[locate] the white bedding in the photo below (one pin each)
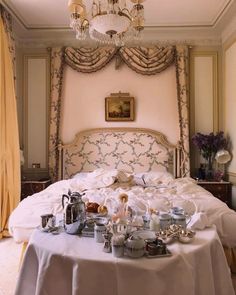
(104, 187)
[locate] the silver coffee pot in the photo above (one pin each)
(74, 212)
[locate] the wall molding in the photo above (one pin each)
(227, 45)
(232, 177)
(214, 54)
(29, 171)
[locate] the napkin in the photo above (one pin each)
(199, 221)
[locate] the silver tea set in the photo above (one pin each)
(120, 238)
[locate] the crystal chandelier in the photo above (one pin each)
(109, 21)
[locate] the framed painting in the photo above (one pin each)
(119, 108)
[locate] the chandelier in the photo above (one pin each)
(109, 21)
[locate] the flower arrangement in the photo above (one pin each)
(209, 144)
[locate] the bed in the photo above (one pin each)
(103, 163)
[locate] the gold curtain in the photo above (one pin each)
(9, 142)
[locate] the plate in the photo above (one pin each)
(144, 234)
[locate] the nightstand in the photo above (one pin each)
(221, 190)
(30, 187)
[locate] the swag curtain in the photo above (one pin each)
(145, 61)
(9, 141)
(181, 63)
(57, 58)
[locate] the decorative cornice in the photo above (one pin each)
(211, 24)
(193, 34)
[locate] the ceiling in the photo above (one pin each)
(49, 18)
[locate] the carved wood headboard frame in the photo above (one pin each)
(129, 149)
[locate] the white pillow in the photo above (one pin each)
(119, 175)
(80, 175)
(153, 178)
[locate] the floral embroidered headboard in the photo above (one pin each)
(129, 149)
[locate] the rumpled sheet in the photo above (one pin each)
(104, 187)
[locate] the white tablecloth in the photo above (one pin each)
(65, 264)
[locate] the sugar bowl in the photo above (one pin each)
(135, 246)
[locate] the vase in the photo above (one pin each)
(209, 168)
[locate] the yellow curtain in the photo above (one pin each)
(9, 138)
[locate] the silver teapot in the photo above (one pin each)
(74, 213)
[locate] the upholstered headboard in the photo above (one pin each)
(129, 149)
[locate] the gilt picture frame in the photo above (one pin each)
(119, 108)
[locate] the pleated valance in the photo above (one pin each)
(148, 61)
(145, 61)
(88, 60)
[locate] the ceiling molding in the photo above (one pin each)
(195, 34)
(212, 24)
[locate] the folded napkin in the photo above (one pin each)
(199, 221)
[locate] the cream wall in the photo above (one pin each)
(203, 102)
(84, 100)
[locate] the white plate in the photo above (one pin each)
(145, 234)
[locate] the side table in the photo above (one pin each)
(30, 187)
(221, 190)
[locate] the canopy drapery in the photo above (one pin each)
(143, 60)
(9, 141)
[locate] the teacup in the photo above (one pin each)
(47, 221)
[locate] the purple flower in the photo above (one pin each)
(209, 144)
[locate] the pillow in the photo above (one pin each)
(119, 175)
(153, 178)
(123, 176)
(80, 175)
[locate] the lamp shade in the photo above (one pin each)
(76, 6)
(222, 157)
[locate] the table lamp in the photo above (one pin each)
(222, 157)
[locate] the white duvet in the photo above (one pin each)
(160, 192)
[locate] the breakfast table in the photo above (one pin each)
(69, 264)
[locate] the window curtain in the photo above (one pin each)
(9, 142)
(143, 60)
